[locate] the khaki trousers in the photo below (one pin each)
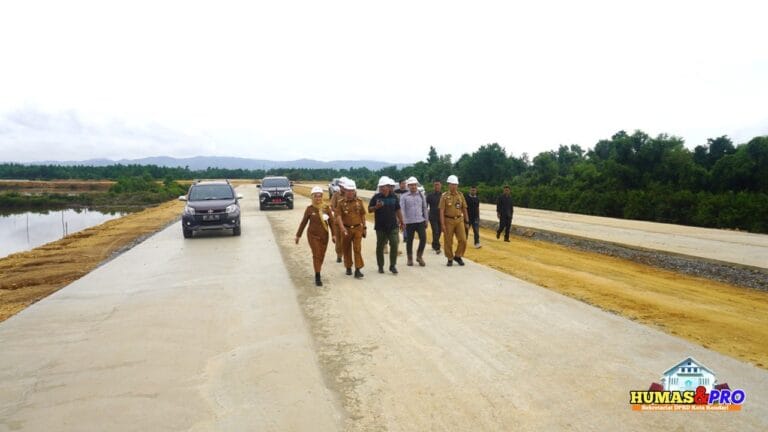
(353, 242)
(455, 227)
(318, 245)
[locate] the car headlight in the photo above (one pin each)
(232, 208)
(189, 210)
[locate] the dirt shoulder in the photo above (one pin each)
(27, 277)
(729, 319)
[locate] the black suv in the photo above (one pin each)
(211, 205)
(275, 191)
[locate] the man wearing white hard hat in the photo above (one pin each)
(350, 216)
(388, 222)
(454, 220)
(414, 205)
(319, 217)
(338, 196)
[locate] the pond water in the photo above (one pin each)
(24, 231)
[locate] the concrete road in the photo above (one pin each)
(720, 245)
(201, 334)
(227, 333)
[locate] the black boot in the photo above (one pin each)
(318, 282)
(393, 269)
(459, 261)
(450, 263)
(358, 274)
(349, 271)
(338, 258)
(381, 269)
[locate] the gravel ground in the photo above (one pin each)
(733, 274)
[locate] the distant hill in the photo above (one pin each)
(203, 162)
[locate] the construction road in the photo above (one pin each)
(229, 333)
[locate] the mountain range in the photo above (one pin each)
(203, 162)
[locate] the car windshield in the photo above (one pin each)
(275, 183)
(210, 192)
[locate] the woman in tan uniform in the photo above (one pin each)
(319, 216)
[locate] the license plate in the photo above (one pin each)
(210, 217)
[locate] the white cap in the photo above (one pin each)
(392, 181)
(316, 189)
(383, 181)
(411, 180)
(343, 182)
(452, 179)
(350, 185)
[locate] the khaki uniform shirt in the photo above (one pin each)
(352, 212)
(453, 204)
(337, 196)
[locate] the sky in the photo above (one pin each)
(339, 80)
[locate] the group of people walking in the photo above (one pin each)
(406, 209)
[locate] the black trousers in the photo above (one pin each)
(505, 223)
(421, 230)
(434, 222)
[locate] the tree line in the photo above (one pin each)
(634, 176)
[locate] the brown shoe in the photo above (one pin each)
(410, 261)
(420, 260)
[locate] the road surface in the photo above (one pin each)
(229, 333)
(720, 245)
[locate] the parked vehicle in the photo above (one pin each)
(211, 205)
(275, 192)
(333, 187)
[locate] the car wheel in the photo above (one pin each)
(290, 205)
(187, 232)
(261, 206)
(236, 231)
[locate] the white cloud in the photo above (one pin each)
(358, 79)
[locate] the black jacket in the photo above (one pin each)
(473, 208)
(433, 201)
(504, 205)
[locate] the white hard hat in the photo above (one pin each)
(316, 189)
(383, 181)
(343, 182)
(392, 181)
(411, 180)
(350, 185)
(452, 179)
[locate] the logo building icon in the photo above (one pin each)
(687, 375)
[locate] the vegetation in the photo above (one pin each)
(628, 176)
(127, 191)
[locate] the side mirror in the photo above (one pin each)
(291, 184)
(239, 196)
(182, 197)
(258, 186)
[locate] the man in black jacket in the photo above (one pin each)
(433, 202)
(473, 209)
(504, 211)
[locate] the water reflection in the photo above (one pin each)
(28, 230)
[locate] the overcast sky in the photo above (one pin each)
(376, 80)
